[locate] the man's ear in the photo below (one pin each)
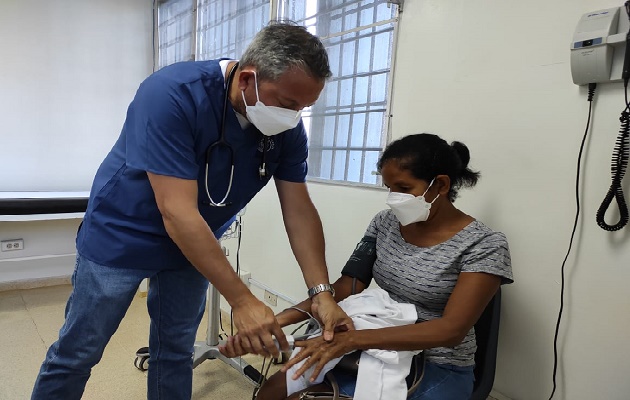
(245, 79)
(443, 184)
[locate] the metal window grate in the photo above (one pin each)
(225, 28)
(348, 125)
(175, 26)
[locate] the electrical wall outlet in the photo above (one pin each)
(12, 245)
(245, 275)
(271, 298)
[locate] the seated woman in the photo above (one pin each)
(423, 251)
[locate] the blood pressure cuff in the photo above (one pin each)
(362, 260)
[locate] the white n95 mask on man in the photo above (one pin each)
(409, 208)
(270, 120)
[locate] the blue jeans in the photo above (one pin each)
(440, 382)
(99, 300)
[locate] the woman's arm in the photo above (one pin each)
(471, 295)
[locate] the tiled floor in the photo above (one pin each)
(29, 324)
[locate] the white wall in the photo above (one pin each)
(68, 72)
(69, 69)
(496, 75)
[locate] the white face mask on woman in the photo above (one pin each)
(409, 208)
(270, 120)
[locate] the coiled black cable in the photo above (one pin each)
(621, 152)
(618, 168)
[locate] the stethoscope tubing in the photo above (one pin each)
(223, 142)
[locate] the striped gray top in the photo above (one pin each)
(426, 276)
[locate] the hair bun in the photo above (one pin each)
(463, 153)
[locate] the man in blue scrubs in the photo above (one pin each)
(199, 141)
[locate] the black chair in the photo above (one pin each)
(487, 333)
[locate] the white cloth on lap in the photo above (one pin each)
(381, 373)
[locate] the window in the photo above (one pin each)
(225, 28)
(348, 126)
(175, 27)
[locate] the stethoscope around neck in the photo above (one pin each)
(221, 142)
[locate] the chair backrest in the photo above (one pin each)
(487, 334)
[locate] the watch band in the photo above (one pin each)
(322, 287)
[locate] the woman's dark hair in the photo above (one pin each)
(426, 156)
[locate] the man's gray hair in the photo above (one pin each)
(281, 45)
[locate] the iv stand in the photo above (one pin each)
(210, 348)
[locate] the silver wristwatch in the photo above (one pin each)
(322, 287)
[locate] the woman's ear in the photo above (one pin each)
(443, 184)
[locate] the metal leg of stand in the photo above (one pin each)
(209, 349)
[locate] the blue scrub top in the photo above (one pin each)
(173, 119)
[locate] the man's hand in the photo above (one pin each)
(330, 314)
(255, 324)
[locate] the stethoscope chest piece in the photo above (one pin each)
(262, 170)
